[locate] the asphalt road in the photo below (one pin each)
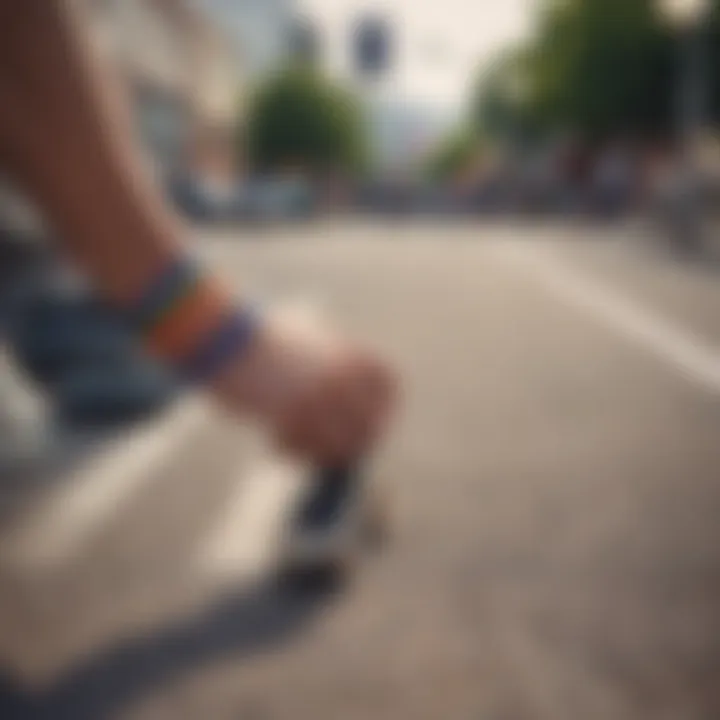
(555, 491)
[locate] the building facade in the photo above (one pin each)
(260, 31)
(182, 79)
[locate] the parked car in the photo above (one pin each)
(270, 199)
(686, 211)
(201, 200)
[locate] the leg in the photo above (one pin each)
(65, 136)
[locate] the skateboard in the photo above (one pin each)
(339, 519)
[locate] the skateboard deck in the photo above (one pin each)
(339, 519)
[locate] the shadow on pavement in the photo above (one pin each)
(242, 623)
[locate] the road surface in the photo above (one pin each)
(555, 478)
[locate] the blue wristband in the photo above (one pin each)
(166, 290)
(229, 340)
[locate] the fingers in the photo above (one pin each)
(341, 420)
(321, 398)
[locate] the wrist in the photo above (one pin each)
(187, 320)
(256, 379)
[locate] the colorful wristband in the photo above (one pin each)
(190, 322)
(228, 341)
(174, 283)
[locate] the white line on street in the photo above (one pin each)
(243, 545)
(244, 542)
(67, 519)
(692, 357)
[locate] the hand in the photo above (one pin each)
(322, 398)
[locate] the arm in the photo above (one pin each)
(65, 134)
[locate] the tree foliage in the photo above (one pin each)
(300, 119)
(598, 67)
(453, 155)
(503, 108)
(605, 66)
(713, 61)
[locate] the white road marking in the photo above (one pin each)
(60, 528)
(245, 541)
(68, 519)
(690, 355)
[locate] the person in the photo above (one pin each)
(65, 137)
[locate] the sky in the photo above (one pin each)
(440, 43)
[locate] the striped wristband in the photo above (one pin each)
(189, 321)
(160, 298)
(228, 341)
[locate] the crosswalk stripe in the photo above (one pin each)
(246, 539)
(68, 518)
(59, 529)
(691, 356)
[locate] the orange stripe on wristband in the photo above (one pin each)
(189, 321)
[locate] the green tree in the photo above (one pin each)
(503, 108)
(598, 67)
(453, 155)
(713, 61)
(300, 119)
(605, 66)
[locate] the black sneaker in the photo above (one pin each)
(328, 522)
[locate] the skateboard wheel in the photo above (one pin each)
(320, 578)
